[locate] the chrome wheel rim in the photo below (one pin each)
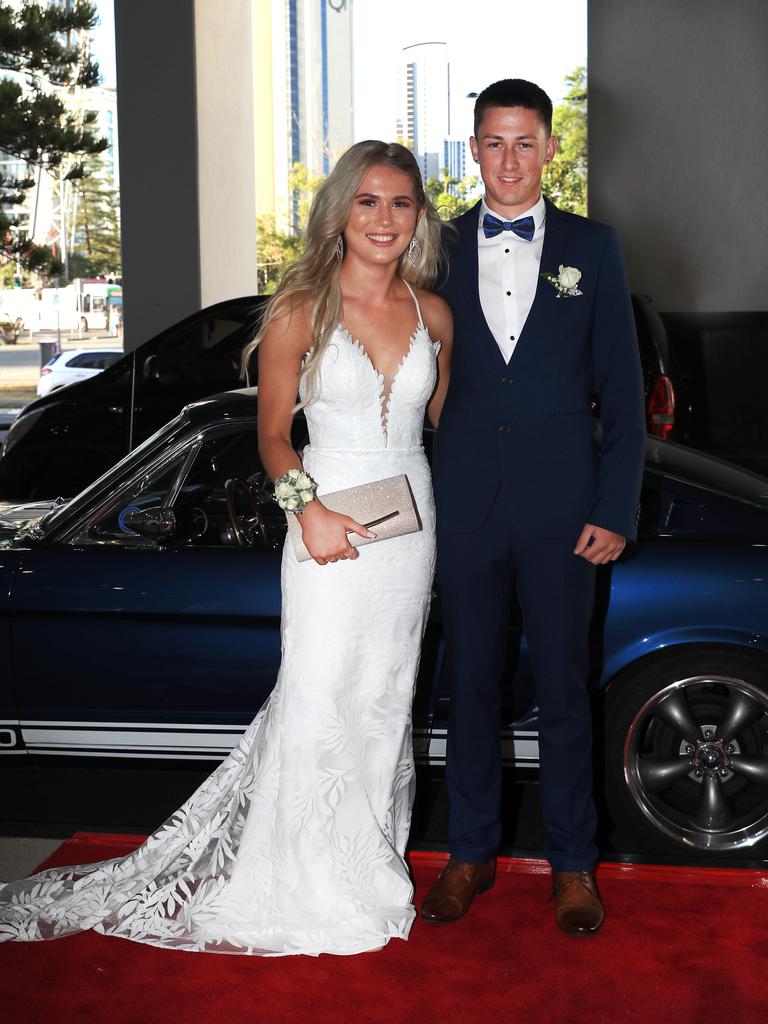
(696, 762)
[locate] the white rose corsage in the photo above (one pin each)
(294, 491)
(565, 282)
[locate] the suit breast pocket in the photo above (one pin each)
(571, 312)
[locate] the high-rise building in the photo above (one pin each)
(424, 107)
(303, 94)
(454, 158)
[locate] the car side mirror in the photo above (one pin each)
(155, 523)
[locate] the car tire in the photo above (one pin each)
(686, 752)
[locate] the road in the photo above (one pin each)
(20, 364)
(18, 357)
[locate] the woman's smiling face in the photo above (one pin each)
(383, 217)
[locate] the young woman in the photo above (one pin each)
(295, 843)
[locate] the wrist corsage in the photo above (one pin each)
(294, 491)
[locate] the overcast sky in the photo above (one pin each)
(501, 39)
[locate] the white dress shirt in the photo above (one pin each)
(508, 273)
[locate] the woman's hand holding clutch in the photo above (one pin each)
(325, 533)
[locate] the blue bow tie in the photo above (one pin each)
(523, 228)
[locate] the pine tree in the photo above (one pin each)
(96, 249)
(39, 45)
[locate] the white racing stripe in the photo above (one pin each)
(60, 724)
(517, 748)
(207, 742)
(134, 739)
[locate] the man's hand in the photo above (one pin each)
(599, 546)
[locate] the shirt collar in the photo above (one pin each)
(538, 211)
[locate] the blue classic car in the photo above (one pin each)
(142, 621)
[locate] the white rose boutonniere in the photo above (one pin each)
(565, 282)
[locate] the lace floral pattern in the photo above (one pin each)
(295, 843)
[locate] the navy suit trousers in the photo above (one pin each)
(477, 572)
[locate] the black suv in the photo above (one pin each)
(62, 442)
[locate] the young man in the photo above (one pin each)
(525, 499)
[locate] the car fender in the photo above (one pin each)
(678, 640)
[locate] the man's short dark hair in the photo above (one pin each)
(514, 92)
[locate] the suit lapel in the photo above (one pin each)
(467, 226)
(552, 255)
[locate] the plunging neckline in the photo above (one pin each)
(367, 356)
(385, 392)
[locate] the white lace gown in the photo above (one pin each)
(295, 843)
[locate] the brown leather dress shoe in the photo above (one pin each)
(579, 910)
(451, 895)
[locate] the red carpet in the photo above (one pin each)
(678, 945)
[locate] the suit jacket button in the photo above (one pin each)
(504, 428)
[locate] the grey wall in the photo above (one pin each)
(678, 146)
(158, 164)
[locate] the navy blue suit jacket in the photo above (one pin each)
(530, 421)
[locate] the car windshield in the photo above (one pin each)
(706, 471)
(165, 436)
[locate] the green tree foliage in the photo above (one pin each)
(565, 179)
(449, 195)
(303, 184)
(38, 41)
(277, 248)
(34, 39)
(96, 250)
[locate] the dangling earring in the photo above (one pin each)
(339, 248)
(414, 251)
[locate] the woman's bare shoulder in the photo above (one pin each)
(291, 324)
(436, 311)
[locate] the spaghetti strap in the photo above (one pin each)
(418, 307)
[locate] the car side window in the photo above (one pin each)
(100, 360)
(94, 360)
(205, 353)
(195, 486)
(664, 512)
(149, 491)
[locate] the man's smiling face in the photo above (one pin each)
(512, 146)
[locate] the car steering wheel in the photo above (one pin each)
(244, 529)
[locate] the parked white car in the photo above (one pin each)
(73, 365)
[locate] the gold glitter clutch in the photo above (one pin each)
(384, 506)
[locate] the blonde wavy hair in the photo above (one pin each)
(315, 275)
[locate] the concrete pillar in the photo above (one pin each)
(227, 78)
(186, 78)
(158, 164)
(677, 147)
